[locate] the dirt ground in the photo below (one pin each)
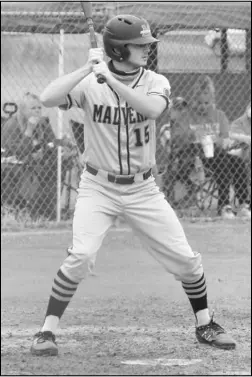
(132, 318)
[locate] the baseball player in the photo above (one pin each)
(117, 180)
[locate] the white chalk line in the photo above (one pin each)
(231, 373)
(180, 362)
(162, 361)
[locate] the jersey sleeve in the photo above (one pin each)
(239, 126)
(76, 98)
(160, 86)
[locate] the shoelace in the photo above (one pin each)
(216, 328)
(46, 335)
(212, 328)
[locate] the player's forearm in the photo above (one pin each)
(57, 90)
(149, 106)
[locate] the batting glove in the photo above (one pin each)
(95, 56)
(102, 69)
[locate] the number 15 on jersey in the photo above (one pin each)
(142, 136)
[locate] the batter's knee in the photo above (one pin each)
(190, 269)
(75, 266)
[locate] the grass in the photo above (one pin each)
(19, 221)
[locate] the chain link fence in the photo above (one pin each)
(205, 52)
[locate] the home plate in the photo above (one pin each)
(232, 373)
(168, 362)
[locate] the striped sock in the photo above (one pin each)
(197, 294)
(63, 290)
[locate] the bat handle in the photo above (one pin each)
(101, 79)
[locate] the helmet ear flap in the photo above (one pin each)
(119, 53)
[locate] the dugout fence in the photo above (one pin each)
(41, 40)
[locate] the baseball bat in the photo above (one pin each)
(87, 10)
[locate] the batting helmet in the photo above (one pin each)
(124, 29)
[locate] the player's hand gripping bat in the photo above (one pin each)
(87, 10)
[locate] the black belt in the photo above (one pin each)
(120, 179)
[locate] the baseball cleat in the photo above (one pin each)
(214, 335)
(44, 344)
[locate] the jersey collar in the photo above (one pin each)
(131, 79)
(122, 73)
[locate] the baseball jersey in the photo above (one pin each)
(117, 138)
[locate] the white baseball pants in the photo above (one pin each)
(145, 209)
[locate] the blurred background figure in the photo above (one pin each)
(30, 145)
(25, 133)
(212, 131)
(178, 142)
(240, 134)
